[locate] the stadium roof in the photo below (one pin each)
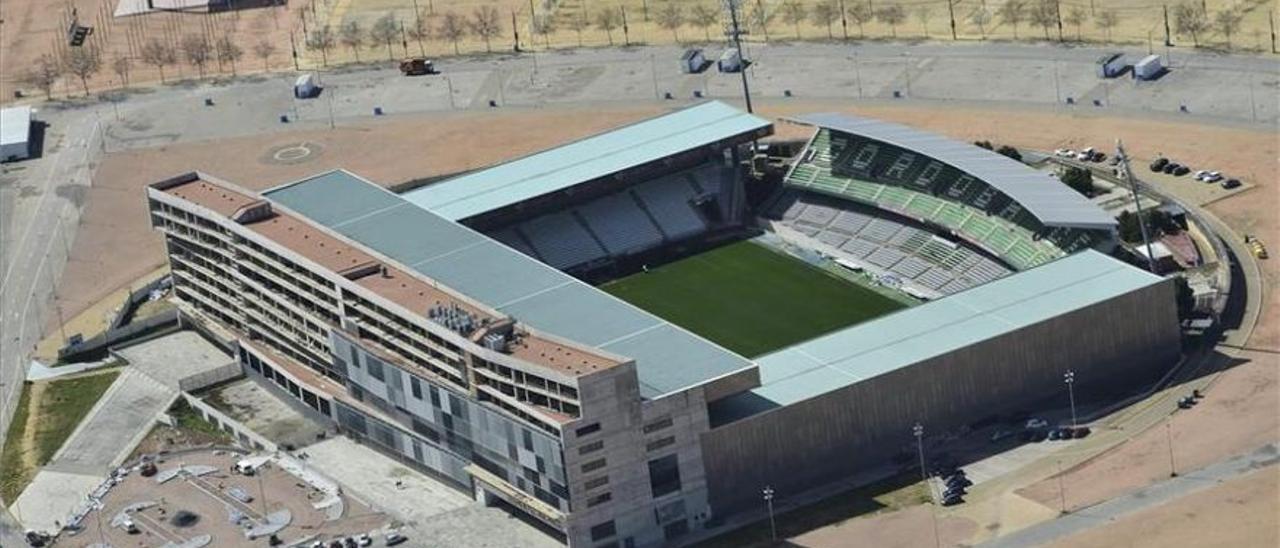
(910, 336)
(1055, 204)
(667, 357)
(584, 160)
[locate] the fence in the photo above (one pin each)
(243, 435)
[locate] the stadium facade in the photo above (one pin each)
(443, 326)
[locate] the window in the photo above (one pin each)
(596, 482)
(416, 387)
(657, 425)
(660, 443)
(664, 475)
(588, 429)
(675, 529)
(591, 447)
(597, 464)
(603, 531)
(375, 368)
(599, 499)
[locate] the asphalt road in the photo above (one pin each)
(41, 199)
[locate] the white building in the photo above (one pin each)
(15, 133)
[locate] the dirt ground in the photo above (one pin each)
(1239, 513)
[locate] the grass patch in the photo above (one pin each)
(895, 493)
(14, 473)
(187, 418)
(751, 299)
(63, 405)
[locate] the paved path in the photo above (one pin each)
(1147, 497)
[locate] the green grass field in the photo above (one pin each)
(750, 299)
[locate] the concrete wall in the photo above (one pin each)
(1130, 339)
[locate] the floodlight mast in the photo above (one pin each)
(1126, 173)
(735, 32)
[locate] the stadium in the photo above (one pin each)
(626, 337)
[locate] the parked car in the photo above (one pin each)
(1065, 152)
(952, 501)
(393, 538)
(1000, 435)
(1085, 155)
(1230, 183)
(1169, 167)
(1186, 403)
(1035, 423)
(1099, 156)
(1159, 164)
(1181, 170)
(959, 482)
(1080, 432)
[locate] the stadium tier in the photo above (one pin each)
(934, 265)
(869, 171)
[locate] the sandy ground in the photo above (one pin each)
(1239, 513)
(906, 528)
(282, 491)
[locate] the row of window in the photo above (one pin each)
(524, 378)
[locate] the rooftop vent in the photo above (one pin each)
(453, 317)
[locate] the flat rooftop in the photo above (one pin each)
(910, 336)
(585, 160)
(15, 125)
(668, 358)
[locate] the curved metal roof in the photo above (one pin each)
(1054, 203)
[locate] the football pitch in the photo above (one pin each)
(750, 299)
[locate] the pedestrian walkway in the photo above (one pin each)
(1147, 497)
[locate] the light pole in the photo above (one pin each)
(1070, 378)
(768, 502)
(918, 432)
(1062, 493)
(1168, 432)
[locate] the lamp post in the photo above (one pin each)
(1168, 432)
(918, 432)
(768, 502)
(1070, 378)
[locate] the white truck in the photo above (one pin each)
(1148, 68)
(1111, 65)
(730, 61)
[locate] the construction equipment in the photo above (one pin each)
(417, 66)
(1256, 246)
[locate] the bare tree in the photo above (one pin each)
(545, 24)
(197, 51)
(1228, 21)
(84, 62)
(43, 74)
(263, 49)
(228, 51)
(861, 14)
(1107, 20)
(453, 27)
(704, 16)
(893, 16)
(578, 22)
(420, 32)
(607, 20)
(670, 16)
(120, 65)
(1011, 13)
(1044, 14)
(923, 13)
(981, 16)
(761, 17)
(323, 40)
(157, 53)
(1190, 19)
(1076, 16)
(485, 23)
(383, 31)
(793, 12)
(352, 36)
(826, 13)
